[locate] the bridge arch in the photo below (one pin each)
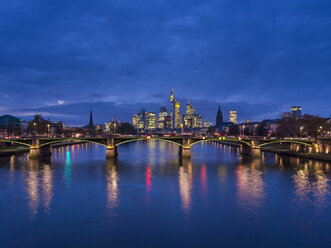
(140, 139)
(15, 142)
(286, 141)
(71, 139)
(220, 141)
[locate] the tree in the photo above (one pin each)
(262, 129)
(234, 130)
(211, 130)
(126, 128)
(38, 125)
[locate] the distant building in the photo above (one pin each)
(206, 124)
(233, 116)
(111, 127)
(91, 125)
(190, 117)
(296, 111)
(199, 120)
(144, 120)
(175, 112)
(56, 128)
(219, 117)
(161, 120)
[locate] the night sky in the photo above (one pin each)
(61, 58)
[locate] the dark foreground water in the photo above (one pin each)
(149, 197)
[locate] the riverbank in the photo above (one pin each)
(288, 152)
(14, 150)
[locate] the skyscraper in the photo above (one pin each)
(219, 117)
(189, 118)
(161, 121)
(175, 112)
(233, 116)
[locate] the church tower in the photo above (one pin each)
(90, 125)
(219, 117)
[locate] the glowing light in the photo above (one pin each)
(148, 178)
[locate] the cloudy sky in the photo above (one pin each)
(61, 58)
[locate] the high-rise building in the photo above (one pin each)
(199, 120)
(219, 117)
(175, 112)
(189, 118)
(296, 111)
(151, 121)
(233, 116)
(161, 120)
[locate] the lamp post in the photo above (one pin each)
(301, 128)
(35, 128)
(48, 126)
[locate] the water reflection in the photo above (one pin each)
(185, 184)
(33, 186)
(47, 186)
(67, 170)
(311, 185)
(112, 183)
(148, 179)
(203, 180)
(250, 186)
(39, 182)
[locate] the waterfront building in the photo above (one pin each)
(219, 117)
(233, 116)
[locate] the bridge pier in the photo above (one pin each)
(111, 152)
(184, 152)
(37, 152)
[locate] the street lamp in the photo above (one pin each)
(35, 128)
(301, 128)
(48, 126)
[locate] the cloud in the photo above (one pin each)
(273, 53)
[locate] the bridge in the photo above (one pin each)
(250, 146)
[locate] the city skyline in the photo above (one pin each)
(113, 57)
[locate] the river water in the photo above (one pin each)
(148, 197)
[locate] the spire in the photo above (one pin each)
(188, 100)
(91, 120)
(172, 94)
(219, 108)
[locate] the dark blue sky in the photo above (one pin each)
(259, 57)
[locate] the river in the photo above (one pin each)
(149, 197)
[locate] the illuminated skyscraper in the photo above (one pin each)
(161, 121)
(233, 116)
(190, 118)
(175, 112)
(151, 121)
